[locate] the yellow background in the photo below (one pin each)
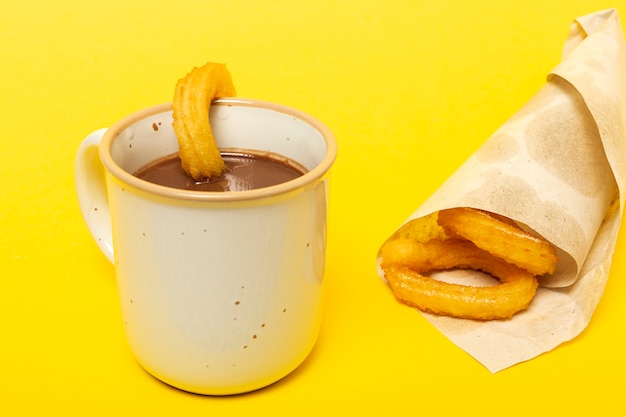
(410, 88)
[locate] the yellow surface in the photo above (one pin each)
(410, 88)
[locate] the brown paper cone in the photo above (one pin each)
(557, 168)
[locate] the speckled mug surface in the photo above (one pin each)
(221, 293)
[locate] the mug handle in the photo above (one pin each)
(91, 189)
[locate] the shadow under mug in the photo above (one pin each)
(220, 292)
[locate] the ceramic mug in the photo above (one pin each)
(220, 292)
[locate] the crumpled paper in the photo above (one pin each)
(557, 167)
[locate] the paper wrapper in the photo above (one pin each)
(557, 168)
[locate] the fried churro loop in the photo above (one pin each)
(465, 238)
(198, 151)
(515, 292)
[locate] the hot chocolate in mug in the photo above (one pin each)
(220, 292)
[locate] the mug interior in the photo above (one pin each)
(236, 123)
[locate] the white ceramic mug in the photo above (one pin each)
(221, 293)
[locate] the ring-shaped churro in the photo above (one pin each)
(514, 292)
(464, 238)
(198, 151)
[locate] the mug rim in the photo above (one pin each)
(310, 177)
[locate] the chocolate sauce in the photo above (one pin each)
(244, 171)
